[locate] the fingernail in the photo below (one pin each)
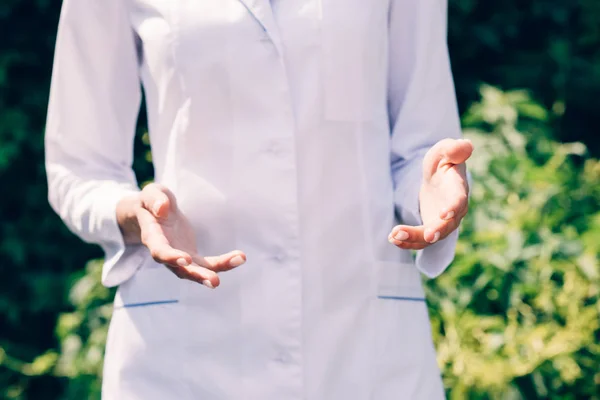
(401, 235)
(236, 261)
(436, 237)
(449, 215)
(182, 262)
(208, 284)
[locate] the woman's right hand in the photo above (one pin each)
(154, 219)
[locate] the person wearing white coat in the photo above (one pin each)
(307, 134)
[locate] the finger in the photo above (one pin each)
(222, 263)
(446, 152)
(458, 151)
(404, 235)
(428, 234)
(165, 254)
(440, 229)
(196, 273)
(408, 234)
(409, 245)
(158, 199)
(457, 203)
(408, 237)
(153, 238)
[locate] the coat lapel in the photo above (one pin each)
(263, 13)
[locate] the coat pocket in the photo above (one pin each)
(151, 285)
(353, 59)
(399, 281)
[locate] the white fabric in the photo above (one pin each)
(294, 133)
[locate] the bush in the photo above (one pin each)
(516, 316)
(550, 47)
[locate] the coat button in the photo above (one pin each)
(283, 357)
(279, 257)
(275, 149)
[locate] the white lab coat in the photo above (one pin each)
(293, 130)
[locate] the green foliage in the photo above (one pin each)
(37, 252)
(517, 315)
(550, 47)
(83, 335)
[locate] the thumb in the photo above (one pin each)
(159, 200)
(446, 152)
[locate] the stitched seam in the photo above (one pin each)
(405, 298)
(147, 303)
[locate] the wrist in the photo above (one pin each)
(127, 210)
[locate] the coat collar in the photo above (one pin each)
(263, 13)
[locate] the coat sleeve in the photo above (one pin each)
(94, 103)
(422, 109)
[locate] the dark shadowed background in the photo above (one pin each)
(516, 317)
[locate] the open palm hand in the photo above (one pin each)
(171, 240)
(443, 196)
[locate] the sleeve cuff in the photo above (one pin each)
(121, 261)
(435, 259)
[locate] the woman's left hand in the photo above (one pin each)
(443, 197)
